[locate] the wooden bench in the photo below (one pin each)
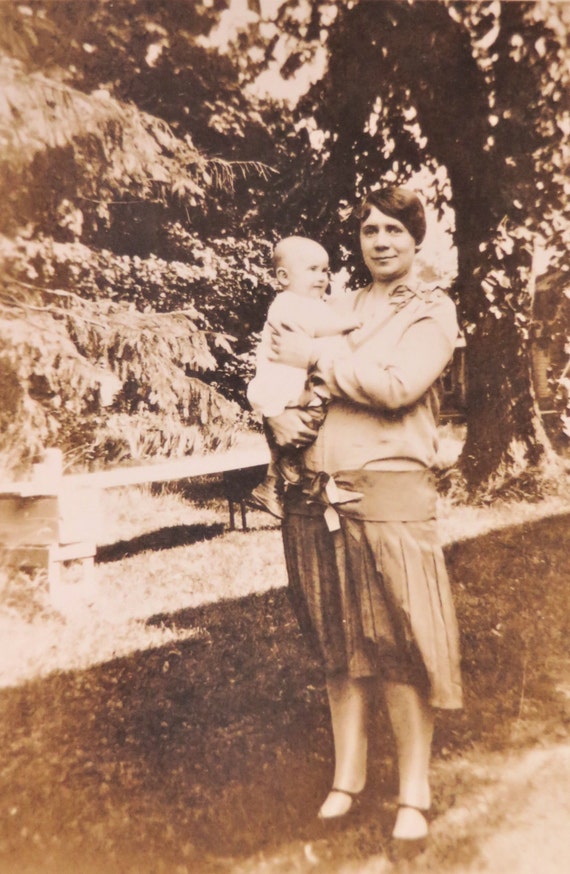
(53, 517)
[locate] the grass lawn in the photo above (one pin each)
(180, 725)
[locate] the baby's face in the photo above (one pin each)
(308, 271)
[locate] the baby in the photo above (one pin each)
(302, 270)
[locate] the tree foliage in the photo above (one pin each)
(116, 306)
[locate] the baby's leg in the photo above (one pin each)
(290, 462)
(268, 495)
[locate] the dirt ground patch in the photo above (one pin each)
(529, 797)
(211, 755)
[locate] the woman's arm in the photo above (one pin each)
(368, 375)
(293, 348)
(393, 381)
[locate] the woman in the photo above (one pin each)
(366, 571)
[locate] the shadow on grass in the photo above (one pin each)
(164, 538)
(197, 755)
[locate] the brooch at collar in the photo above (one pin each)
(402, 295)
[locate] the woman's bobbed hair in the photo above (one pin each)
(398, 203)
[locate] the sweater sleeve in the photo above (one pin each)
(396, 378)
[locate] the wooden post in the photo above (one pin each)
(44, 523)
(232, 514)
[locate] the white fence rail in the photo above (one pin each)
(52, 517)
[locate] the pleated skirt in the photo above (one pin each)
(374, 598)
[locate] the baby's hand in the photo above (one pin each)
(348, 320)
(352, 325)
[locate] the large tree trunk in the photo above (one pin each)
(505, 435)
(506, 440)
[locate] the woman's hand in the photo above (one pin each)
(290, 346)
(293, 427)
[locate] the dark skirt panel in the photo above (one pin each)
(375, 599)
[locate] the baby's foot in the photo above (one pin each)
(267, 497)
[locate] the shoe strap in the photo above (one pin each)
(346, 792)
(422, 810)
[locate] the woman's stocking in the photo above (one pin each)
(348, 701)
(412, 722)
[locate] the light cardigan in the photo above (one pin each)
(383, 413)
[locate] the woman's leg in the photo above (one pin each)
(412, 722)
(348, 701)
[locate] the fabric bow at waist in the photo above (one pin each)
(373, 495)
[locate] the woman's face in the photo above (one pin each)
(387, 246)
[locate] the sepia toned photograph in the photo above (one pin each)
(284, 436)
